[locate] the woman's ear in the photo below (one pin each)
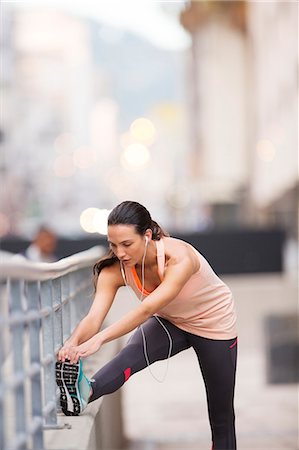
(148, 235)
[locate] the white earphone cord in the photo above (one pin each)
(140, 326)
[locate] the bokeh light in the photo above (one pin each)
(84, 157)
(64, 142)
(143, 130)
(100, 220)
(94, 220)
(169, 113)
(63, 166)
(103, 124)
(266, 150)
(135, 156)
(126, 139)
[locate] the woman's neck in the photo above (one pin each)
(150, 257)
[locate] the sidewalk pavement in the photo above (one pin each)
(173, 415)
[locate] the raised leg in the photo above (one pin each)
(132, 359)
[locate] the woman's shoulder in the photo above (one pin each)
(112, 273)
(177, 249)
(175, 244)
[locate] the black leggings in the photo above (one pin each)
(217, 360)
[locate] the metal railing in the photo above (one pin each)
(40, 305)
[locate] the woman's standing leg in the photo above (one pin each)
(132, 359)
(217, 359)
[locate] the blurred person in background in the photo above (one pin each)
(183, 304)
(43, 246)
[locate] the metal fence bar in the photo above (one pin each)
(17, 329)
(84, 281)
(66, 306)
(72, 286)
(76, 296)
(48, 353)
(57, 317)
(32, 291)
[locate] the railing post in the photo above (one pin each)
(90, 289)
(83, 281)
(66, 307)
(73, 309)
(32, 296)
(17, 329)
(57, 318)
(77, 296)
(48, 352)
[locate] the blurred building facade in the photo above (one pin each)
(244, 72)
(51, 63)
(273, 29)
(75, 89)
(223, 148)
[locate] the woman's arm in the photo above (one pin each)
(108, 283)
(176, 276)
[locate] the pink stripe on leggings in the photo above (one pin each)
(127, 373)
(235, 343)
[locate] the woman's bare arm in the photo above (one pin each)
(108, 283)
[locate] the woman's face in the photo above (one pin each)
(126, 243)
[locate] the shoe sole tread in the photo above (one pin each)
(67, 376)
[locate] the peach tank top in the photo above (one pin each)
(204, 306)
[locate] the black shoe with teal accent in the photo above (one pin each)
(74, 387)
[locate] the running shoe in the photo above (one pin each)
(74, 387)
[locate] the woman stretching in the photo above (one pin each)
(183, 304)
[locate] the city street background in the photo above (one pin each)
(190, 108)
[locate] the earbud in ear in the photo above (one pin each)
(146, 240)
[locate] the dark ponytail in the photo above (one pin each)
(107, 260)
(158, 232)
(128, 213)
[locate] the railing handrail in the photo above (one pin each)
(18, 267)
